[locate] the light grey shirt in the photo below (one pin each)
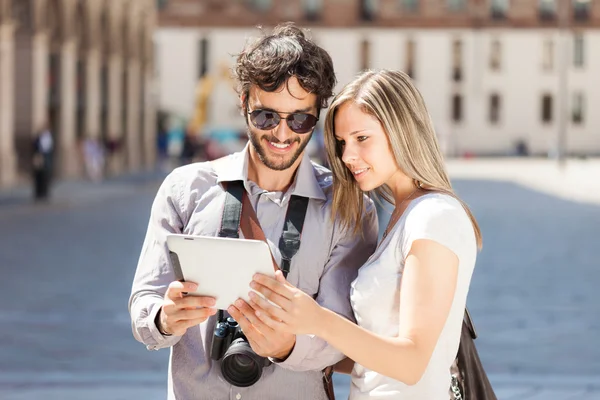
(191, 201)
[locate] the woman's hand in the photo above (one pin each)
(295, 311)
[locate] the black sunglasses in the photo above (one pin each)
(298, 122)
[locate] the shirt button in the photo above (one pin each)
(238, 396)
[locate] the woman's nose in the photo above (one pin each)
(349, 154)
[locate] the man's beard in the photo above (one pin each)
(276, 162)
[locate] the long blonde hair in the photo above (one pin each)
(390, 97)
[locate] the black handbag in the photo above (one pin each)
(469, 380)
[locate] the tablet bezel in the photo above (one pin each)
(238, 261)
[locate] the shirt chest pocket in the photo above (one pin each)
(306, 271)
(203, 223)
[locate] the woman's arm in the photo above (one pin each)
(427, 290)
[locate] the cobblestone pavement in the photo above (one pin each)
(67, 269)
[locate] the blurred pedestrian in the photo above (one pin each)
(521, 148)
(162, 147)
(42, 150)
(284, 79)
(93, 158)
(410, 297)
(190, 145)
(112, 148)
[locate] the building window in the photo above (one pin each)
(261, 5)
(161, 4)
(457, 50)
(365, 54)
(547, 108)
(577, 115)
(312, 9)
(499, 9)
(547, 10)
(202, 57)
(368, 9)
(455, 5)
(495, 55)
(581, 10)
(457, 108)
(548, 55)
(494, 108)
(578, 50)
(411, 6)
(410, 57)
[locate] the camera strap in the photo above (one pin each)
(238, 214)
(232, 211)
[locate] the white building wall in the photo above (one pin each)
(521, 81)
(587, 80)
(177, 60)
(343, 45)
(433, 74)
(519, 89)
(543, 137)
(526, 82)
(224, 106)
(388, 49)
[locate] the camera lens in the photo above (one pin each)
(243, 362)
(240, 365)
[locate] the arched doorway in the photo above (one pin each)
(105, 50)
(125, 143)
(7, 155)
(55, 40)
(80, 82)
(141, 42)
(22, 12)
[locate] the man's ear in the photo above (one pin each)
(243, 103)
(244, 107)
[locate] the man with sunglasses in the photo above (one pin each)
(284, 80)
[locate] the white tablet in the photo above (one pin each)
(222, 267)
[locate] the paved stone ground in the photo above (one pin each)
(67, 268)
(575, 179)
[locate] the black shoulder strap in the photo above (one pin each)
(289, 244)
(232, 212)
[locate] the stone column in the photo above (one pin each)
(39, 114)
(115, 117)
(8, 162)
(69, 159)
(133, 134)
(149, 118)
(92, 93)
(31, 92)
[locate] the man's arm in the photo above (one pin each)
(154, 272)
(349, 254)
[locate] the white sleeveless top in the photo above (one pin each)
(375, 295)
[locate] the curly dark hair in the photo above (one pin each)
(272, 59)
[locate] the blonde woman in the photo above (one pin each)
(409, 298)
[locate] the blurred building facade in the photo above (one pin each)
(498, 76)
(83, 69)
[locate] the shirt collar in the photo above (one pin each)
(235, 168)
(305, 184)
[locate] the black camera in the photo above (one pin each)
(240, 365)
